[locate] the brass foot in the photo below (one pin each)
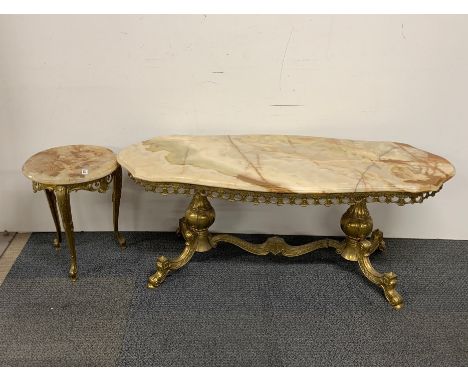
(162, 269)
(387, 281)
(164, 266)
(357, 224)
(73, 272)
(56, 244)
(121, 240)
(194, 228)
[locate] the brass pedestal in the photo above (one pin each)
(360, 242)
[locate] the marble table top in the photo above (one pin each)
(70, 164)
(286, 164)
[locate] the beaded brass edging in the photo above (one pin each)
(100, 185)
(400, 198)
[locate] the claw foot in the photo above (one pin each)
(162, 269)
(389, 281)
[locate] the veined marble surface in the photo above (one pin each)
(289, 164)
(70, 164)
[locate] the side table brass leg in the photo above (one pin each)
(53, 209)
(357, 224)
(63, 199)
(117, 192)
(194, 228)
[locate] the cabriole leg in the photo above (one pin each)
(357, 224)
(53, 209)
(63, 199)
(117, 192)
(199, 216)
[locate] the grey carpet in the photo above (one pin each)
(230, 308)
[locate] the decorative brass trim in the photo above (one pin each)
(325, 199)
(100, 185)
(275, 245)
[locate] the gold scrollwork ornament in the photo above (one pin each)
(356, 223)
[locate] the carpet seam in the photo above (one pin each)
(8, 259)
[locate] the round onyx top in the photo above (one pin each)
(70, 164)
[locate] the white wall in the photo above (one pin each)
(116, 80)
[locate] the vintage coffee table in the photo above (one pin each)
(60, 170)
(285, 170)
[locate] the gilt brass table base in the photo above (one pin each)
(60, 195)
(360, 242)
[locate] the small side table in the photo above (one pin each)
(60, 170)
